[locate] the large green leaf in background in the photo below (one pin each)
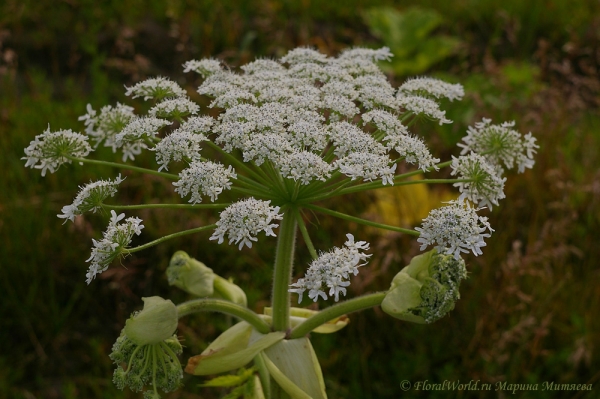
(411, 38)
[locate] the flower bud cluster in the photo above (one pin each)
(427, 289)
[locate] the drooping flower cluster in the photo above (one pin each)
(90, 198)
(502, 146)
(455, 229)
(331, 270)
(115, 240)
(243, 220)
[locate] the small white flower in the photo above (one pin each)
(385, 121)
(413, 150)
(304, 166)
(232, 98)
(243, 220)
(178, 145)
(500, 144)
(115, 240)
(197, 124)
(262, 147)
(174, 108)
(309, 71)
(454, 229)
(382, 54)
(307, 134)
(132, 138)
(205, 67)
(486, 187)
(349, 138)
(90, 198)
(341, 105)
(375, 91)
(420, 105)
(367, 166)
(432, 87)
(49, 150)
(359, 66)
(105, 127)
(331, 270)
(303, 55)
(261, 65)
(155, 88)
(340, 88)
(204, 178)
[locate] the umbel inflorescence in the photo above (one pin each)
(283, 136)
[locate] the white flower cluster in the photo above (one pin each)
(420, 105)
(243, 220)
(155, 88)
(430, 87)
(105, 126)
(454, 229)
(49, 150)
(204, 67)
(331, 270)
(413, 150)
(174, 108)
(204, 178)
(115, 239)
(500, 144)
(486, 187)
(132, 139)
(288, 111)
(90, 198)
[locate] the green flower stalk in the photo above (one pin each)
(148, 349)
(195, 278)
(425, 290)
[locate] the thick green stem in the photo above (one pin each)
(362, 221)
(337, 310)
(125, 166)
(282, 274)
(223, 306)
(168, 237)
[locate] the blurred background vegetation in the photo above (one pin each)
(529, 311)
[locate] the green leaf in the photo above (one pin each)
(231, 350)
